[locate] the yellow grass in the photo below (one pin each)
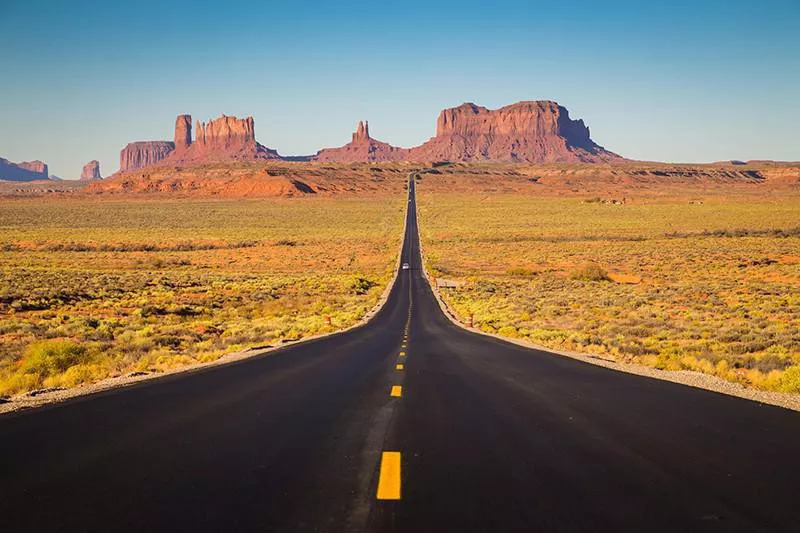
(709, 286)
(91, 289)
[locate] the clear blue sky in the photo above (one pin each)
(677, 80)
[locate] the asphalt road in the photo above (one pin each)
(488, 436)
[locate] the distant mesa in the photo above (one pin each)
(533, 132)
(25, 171)
(224, 138)
(91, 171)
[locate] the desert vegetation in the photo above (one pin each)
(707, 283)
(91, 289)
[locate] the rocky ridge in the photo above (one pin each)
(142, 154)
(25, 171)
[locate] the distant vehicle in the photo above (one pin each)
(405, 266)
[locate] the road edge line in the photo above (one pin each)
(26, 403)
(785, 400)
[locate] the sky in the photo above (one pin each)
(679, 81)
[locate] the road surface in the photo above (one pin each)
(468, 434)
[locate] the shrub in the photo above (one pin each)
(590, 272)
(50, 357)
(790, 381)
(361, 285)
(520, 271)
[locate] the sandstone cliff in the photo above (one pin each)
(362, 148)
(25, 171)
(534, 132)
(142, 154)
(91, 171)
(221, 139)
(183, 132)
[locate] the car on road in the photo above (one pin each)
(406, 266)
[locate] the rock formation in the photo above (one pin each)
(91, 171)
(362, 132)
(224, 138)
(144, 153)
(226, 133)
(25, 171)
(183, 132)
(35, 166)
(362, 148)
(535, 132)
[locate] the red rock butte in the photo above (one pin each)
(91, 171)
(532, 132)
(221, 139)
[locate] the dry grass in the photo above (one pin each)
(91, 289)
(674, 284)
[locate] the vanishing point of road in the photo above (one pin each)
(405, 424)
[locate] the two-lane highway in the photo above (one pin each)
(408, 423)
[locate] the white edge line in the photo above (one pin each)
(23, 402)
(786, 400)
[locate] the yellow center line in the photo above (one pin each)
(389, 478)
(397, 391)
(399, 366)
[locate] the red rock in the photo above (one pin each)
(225, 133)
(35, 166)
(362, 148)
(25, 171)
(144, 153)
(183, 132)
(91, 171)
(362, 132)
(224, 138)
(535, 131)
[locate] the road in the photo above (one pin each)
(471, 434)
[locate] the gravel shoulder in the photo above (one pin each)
(684, 377)
(43, 397)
